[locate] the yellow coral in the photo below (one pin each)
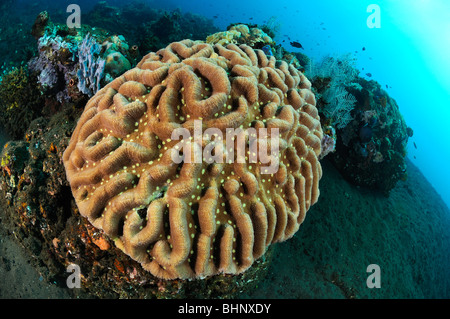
(224, 37)
(11, 85)
(6, 160)
(240, 34)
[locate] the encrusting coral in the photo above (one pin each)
(20, 101)
(193, 220)
(240, 34)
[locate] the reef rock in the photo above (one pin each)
(371, 149)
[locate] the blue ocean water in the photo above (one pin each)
(407, 52)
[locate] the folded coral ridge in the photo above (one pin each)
(196, 219)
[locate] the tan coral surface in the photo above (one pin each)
(199, 218)
(240, 34)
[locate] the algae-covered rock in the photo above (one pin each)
(372, 148)
(20, 101)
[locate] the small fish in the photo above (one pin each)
(158, 194)
(415, 157)
(267, 50)
(369, 74)
(250, 18)
(215, 17)
(415, 145)
(321, 23)
(364, 48)
(296, 44)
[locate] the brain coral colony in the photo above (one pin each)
(193, 220)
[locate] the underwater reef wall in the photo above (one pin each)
(364, 131)
(148, 28)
